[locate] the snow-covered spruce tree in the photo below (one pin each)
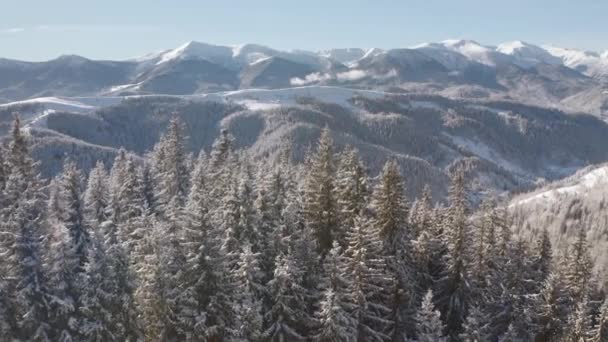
(551, 306)
(319, 197)
(303, 245)
(543, 257)
(476, 326)
(247, 214)
(579, 325)
(125, 196)
(287, 314)
(391, 211)
(509, 304)
(23, 282)
(429, 247)
(66, 279)
(147, 184)
(578, 267)
(171, 171)
(70, 195)
(454, 294)
(228, 220)
(168, 305)
(484, 245)
(370, 285)
(97, 297)
(3, 170)
(67, 257)
(267, 223)
(125, 321)
(600, 329)
(207, 275)
(333, 312)
(420, 214)
(221, 167)
(351, 191)
(248, 297)
(429, 327)
(96, 197)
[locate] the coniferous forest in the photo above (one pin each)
(217, 246)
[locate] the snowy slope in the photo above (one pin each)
(577, 185)
(589, 63)
(526, 54)
(470, 49)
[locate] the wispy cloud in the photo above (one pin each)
(12, 30)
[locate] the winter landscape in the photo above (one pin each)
(452, 190)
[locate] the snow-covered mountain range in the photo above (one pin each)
(568, 79)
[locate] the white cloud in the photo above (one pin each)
(310, 78)
(351, 75)
(12, 30)
(390, 74)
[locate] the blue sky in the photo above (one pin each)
(113, 29)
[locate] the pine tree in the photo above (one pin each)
(319, 200)
(247, 213)
(3, 170)
(476, 326)
(168, 307)
(97, 299)
(333, 313)
(454, 295)
(577, 272)
(429, 327)
(72, 212)
(600, 329)
(391, 212)
(96, 197)
(221, 167)
(267, 224)
(66, 277)
(286, 314)
(24, 287)
(369, 284)
(121, 284)
(207, 268)
(420, 215)
(429, 248)
(544, 256)
(171, 171)
(551, 306)
(247, 277)
(483, 239)
(579, 324)
(351, 191)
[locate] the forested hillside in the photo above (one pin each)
(227, 247)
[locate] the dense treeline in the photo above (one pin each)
(222, 248)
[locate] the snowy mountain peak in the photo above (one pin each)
(196, 50)
(460, 43)
(512, 47)
(526, 54)
(470, 49)
(605, 54)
